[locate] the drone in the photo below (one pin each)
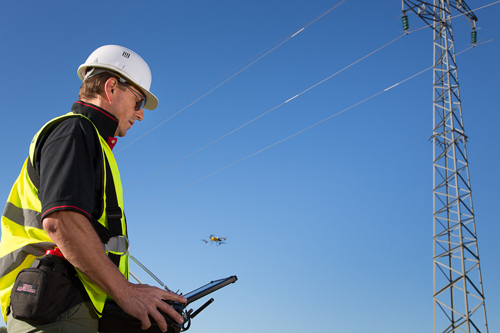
(215, 239)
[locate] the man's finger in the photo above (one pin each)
(160, 320)
(169, 310)
(146, 323)
(175, 297)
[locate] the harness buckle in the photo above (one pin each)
(114, 213)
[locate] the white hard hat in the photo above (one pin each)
(126, 63)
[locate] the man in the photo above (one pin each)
(69, 196)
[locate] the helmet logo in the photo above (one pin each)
(126, 54)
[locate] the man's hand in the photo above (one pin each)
(142, 301)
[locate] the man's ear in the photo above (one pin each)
(110, 87)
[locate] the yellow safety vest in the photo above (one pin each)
(23, 236)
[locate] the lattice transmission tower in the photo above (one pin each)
(459, 304)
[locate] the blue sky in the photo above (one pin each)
(330, 230)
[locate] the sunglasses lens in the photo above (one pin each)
(139, 105)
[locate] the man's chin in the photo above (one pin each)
(121, 134)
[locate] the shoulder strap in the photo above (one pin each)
(33, 174)
(113, 211)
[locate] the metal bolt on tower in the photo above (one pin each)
(459, 304)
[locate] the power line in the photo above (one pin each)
(267, 112)
(303, 130)
(282, 140)
(491, 4)
(278, 106)
(272, 48)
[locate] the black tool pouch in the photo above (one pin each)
(40, 292)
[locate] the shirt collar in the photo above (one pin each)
(105, 122)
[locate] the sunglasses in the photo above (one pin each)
(139, 105)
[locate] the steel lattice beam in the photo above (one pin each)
(459, 304)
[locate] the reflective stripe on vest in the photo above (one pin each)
(23, 237)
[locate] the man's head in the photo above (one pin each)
(118, 80)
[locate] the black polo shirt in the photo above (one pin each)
(69, 161)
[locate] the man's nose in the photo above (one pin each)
(139, 115)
